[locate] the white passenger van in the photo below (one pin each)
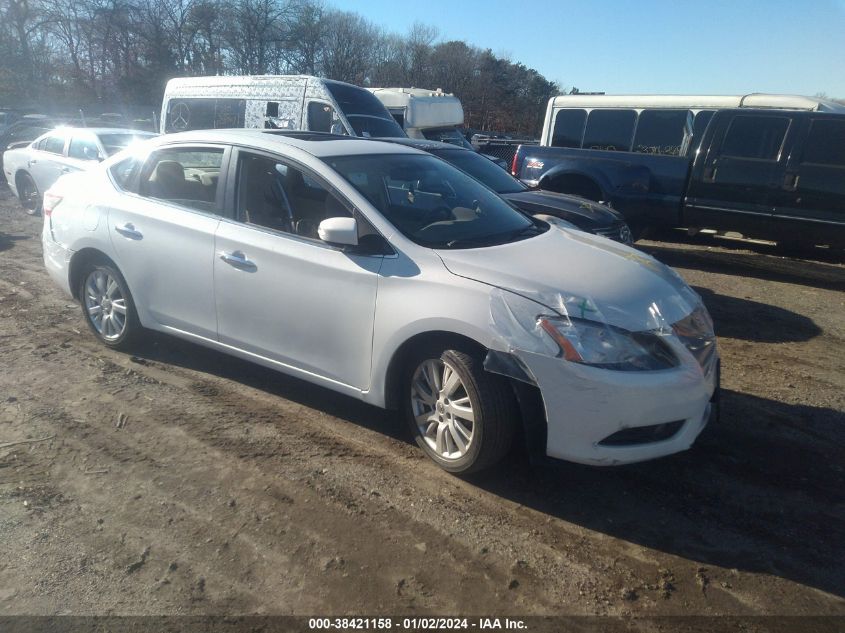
(649, 124)
(425, 114)
(288, 102)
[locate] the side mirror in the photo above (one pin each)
(340, 231)
(90, 153)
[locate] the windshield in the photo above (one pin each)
(451, 135)
(433, 203)
(113, 143)
(370, 126)
(365, 112)
(482, 169)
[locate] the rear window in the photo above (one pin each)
(569, 128)
(610, 130)
(702, 119)
(755, 137)
(660, 132)
(826, 143)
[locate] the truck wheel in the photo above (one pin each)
(462, 417)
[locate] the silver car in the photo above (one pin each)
(32, 169)
(386, 274)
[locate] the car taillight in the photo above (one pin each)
(514, 162)
(51, 201)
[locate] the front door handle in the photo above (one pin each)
(65, 170)
(128, 230)
(32, 162)
(709, 174)
(790, 181)
(238, 260)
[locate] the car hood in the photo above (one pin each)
(581, 275)
(580, 211)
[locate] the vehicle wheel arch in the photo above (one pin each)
(449, 340)
(80, 261)
(574, 183)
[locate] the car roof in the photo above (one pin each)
(424, 144)
(319, 144)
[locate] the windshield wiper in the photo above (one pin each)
(496, 238)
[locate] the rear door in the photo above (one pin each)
(811, 197)
(46, 162)
(163, 235)
(732, 186)
(281, 292)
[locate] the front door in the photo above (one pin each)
(164, 237)
(281, 292)
(746, 158)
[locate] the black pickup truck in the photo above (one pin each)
(776, 174)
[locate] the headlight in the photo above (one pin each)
(608, 347)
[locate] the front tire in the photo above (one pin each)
(462, 417)
(108, 307)
(28, 194)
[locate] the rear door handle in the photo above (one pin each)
(790, 181)
(128, 230)
(238, 260)
(65, 170)
(709, 174)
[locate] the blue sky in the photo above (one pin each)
(646, 46)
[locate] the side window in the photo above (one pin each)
(660, 132)
(702, 119)
(610, 130)
(54, 144)
(189, 177)
(569, 128)
(204, 114)
(124, 174)
(281, 197)
(320, 116)
(83, 149)
(826, 143)
(40, 145)
(755, 137)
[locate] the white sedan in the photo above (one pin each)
(32, 169)
(384, 273)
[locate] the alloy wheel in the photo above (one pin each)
(442, 408)
(105, 304)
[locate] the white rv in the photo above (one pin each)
(425, 114)
(292, 102)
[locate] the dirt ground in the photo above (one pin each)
(182, 481)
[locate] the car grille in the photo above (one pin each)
(617, 232)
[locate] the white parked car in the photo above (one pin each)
(31, 170)
(386, 274)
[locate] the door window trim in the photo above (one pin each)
(720, 155)
(231, 201)
(222, 181)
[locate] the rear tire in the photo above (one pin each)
(28, 194)
(461, 416)
(108, 307)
